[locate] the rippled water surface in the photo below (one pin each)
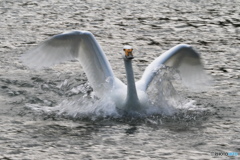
(51, 113)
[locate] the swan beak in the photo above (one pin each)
(128, 52)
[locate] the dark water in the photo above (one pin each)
(61, 121)
(31, 127)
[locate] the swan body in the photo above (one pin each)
(83, 46)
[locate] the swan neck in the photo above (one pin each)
(132, 97)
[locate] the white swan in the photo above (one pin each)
(83, 46)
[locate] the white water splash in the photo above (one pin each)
(163, 100)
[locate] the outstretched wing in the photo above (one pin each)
(182, 57)
(79, 45)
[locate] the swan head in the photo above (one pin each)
(128, 52)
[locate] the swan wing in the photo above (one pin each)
(80, 45)
(185, 59)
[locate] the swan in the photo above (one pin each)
(132, 97)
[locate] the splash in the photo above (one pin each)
(84, 106)
(163, 99)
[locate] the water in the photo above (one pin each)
(187, 125)
(79, 126)
(163, 100)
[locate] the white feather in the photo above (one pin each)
(83, 46)
(79, 45)
(183, 58)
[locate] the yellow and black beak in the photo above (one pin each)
(128, 52)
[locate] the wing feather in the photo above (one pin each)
(185, 59)
(79, 45)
